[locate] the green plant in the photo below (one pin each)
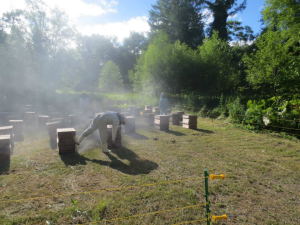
(236, 110)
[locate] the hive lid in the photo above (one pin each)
(4, 137)
(6, 128)
(66, 130)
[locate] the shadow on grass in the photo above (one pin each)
(138, 136)
(176, 133)
(136, 165)
(204, 131)
(4, 164)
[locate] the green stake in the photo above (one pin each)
(207, 205)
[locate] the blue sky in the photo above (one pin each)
(117, 18)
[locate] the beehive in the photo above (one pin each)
(17, 129)
(155, 110)
(148, 107)
(189, 121)
(149, 118)
(175, 119)
(162, 122)
(8, 130)
(52, 127)
(180, 114)
(66, 140)
(30, 120)
(130, 124)
(42, 120)
(5, 151)
(118, 142)
(5, 144)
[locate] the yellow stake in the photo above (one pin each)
(216, 176)
(216, 218)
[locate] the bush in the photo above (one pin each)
(236, 110)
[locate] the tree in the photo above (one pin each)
(110, 78)
(219, 66)
(180, 19)
(221, 10)
(237, 32)
(275, 64)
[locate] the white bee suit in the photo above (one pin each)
(100, 122)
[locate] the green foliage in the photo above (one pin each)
(218, 60)
(110, 78)
(236, 110)
(277, 111)
(276, 62)
(98, 211)
(166, 67)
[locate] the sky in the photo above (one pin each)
(117, 18)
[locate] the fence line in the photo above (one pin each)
(146, 214)
(190, 221)
(102, 190)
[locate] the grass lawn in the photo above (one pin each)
(262, 184)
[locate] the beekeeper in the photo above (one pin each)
(100, 122)
(163, 104)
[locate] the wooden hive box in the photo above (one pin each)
(149, 118)
(42, 120)
(129, 124)
(17, 129)
(189, 121)
(176, 119)
(5, 144)
(156, 110)
(66, 140)
(148, 108)
(31, 121)
(180, 113)
(162, 122)
(5, 152)
(8, 130)
(52, 129)
(118, 142)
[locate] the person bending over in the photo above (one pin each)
(100, 122)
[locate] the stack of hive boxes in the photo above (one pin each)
(118, 142)
(130, 125)
(5, 151)
(66, 140)
(162, 122)
(52, 127)
(17, 129)
(189, 121)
